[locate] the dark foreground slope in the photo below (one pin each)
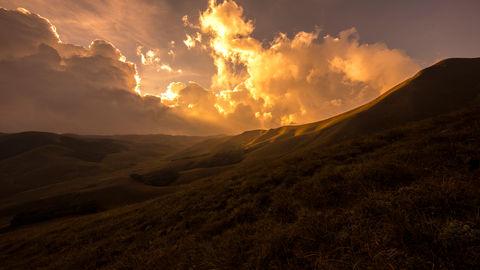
(404, 198)
(399, 194)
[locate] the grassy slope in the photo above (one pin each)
(32, 160)
(407, 198)
(446, 86)
(41, 171)
(404, 197)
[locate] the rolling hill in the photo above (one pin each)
(40, 170)
(391, 184)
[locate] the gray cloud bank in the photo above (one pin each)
(48, 85)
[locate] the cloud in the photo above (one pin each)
(296, 79)
(129, 24)
(191, 41)
(49, 85)
(31, 30)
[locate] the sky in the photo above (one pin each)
(209, 67)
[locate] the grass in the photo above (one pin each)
(405, 198)
(163, 177)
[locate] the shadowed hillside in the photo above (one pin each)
(42, 172)
(390, 185)
(33, 159)
(87, 150)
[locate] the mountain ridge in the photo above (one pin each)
(394, 183)
(461, 72)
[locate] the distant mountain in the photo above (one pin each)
(391, 184)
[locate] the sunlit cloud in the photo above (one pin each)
(192, 40)
(189, 42)
(292, 79)
(168, 68)
(169, 97)
(187, 23)
(61, 87)
(152, 58)
(128, 24)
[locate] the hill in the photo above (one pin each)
(447, 86)
(392, 184)
(43, 171)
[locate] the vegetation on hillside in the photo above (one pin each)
(408, 197)
(393, 184)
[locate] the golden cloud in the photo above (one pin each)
(59, 87)
(296, 78)
(291, 80)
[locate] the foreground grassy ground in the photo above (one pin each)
(405, 198)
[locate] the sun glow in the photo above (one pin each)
(290, 80)
(170, 96)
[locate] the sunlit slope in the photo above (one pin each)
(447, 86)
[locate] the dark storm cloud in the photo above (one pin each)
(52, 86)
